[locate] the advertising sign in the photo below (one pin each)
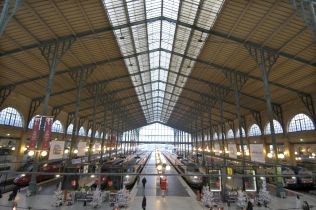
(35, 132)
(56, 150)
(81, 149)
(232, 150)
(47, 132)
(96, 148)
(217, 148)
(256, 153)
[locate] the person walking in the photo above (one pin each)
(249, 206)
(144, 203)
(144, 180)
(298, 202)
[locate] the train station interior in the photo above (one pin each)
(157, 104)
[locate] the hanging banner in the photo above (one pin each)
(56, 150)
(35, 132)
(217, 149)
(47, 132)
(256, 153)
(81, 149)
(232, 150)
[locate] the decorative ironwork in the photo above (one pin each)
(5, 91)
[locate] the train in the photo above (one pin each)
(132, 164)
(294, 177)
(24, 179)
(192, 176)
(55, 166)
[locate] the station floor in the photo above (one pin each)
(179, 196)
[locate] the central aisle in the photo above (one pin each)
(177, 196)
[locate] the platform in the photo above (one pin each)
(179, 196)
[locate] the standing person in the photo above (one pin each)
(144, 180)
(249, 206)
(144, 203)
(298, 202)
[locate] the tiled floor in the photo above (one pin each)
(179, 197)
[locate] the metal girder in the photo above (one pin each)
(56, 111)
(35, 103)
(306, 10)
(5, 91)
(9, 9)
(307, 100)
(278, 113)
(161, 18)
(103, 62)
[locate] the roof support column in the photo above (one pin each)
(80, 79)
(104, 132)
(52, 53)
(203, 143)
(237, 81)
(265, 60)
(9, 9)
(305, 9)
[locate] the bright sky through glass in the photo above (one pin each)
(159, 75)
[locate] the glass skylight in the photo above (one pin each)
(156, 74)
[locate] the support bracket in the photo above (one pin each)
(35, 103)
(278, 113)
(236, 79)
(307, 100)
(56, 111)
(265, 59)
(70, 118)
(54, 50)
(257, 116)
(83, 74)
(5, 91)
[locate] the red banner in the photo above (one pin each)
(35, 132)
(47, 132)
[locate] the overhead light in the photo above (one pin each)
(281, 156)
(8, 134)
(31, 153)
(75, 151)
(92, 176)
(44, 153)
(301, 140)
(269, 155)
(66, 151)
(13, 148)
(57, 175)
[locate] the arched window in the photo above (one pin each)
(254, 130)
(97, 134)
(238, 133)
(89, 132)
(11, 116)
(101, 135)
(82, 132)
(230, 134)
(215, 136)
(30, 126)
(301, 122)
(277, 128)
(57, 127)
(70, 128)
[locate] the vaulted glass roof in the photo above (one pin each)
(157, 47)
